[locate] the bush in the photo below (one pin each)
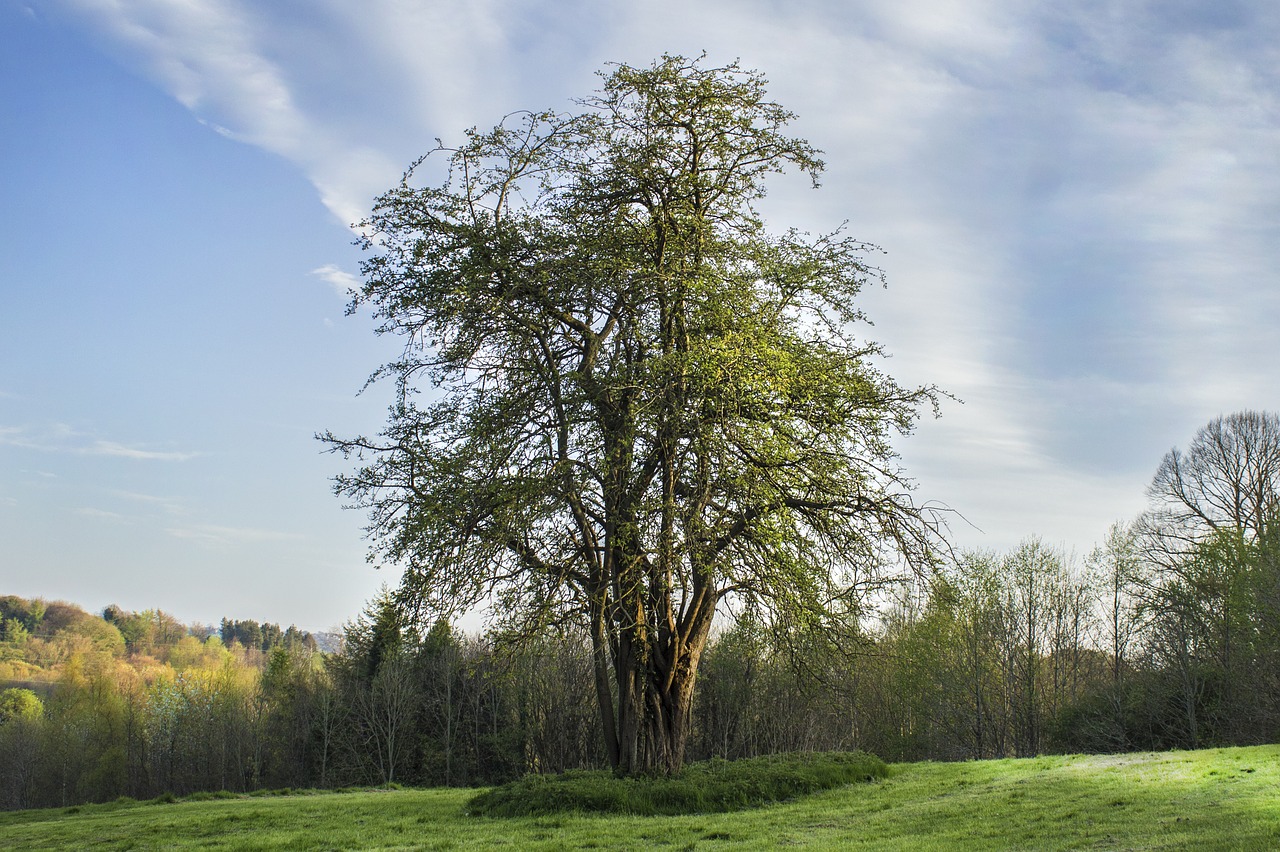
(714, 786)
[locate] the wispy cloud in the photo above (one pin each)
(170, 505)
(61, 438)
(101, 514)
(343, 283)
(207, 54)
(111, 448)
(224, 535)
(132, 507)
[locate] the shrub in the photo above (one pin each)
(210, 795)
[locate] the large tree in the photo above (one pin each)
(621, 399)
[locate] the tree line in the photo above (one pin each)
(1165, 635)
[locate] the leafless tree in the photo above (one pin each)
(1227, 479)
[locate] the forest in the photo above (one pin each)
(1166, 635)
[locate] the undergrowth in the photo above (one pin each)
(714, 786)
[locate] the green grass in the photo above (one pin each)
(1213, 799)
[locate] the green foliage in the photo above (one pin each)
(14, 632)
(17, 612)
(20, 704)
(133, 627)
(714, 786)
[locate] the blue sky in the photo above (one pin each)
(1080, 209)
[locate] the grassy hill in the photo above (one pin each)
(1212, 799)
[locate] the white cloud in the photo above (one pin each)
(206, 54)
(16, 436)
(341, 282)
(1178, 193)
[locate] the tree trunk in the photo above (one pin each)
(656, 675)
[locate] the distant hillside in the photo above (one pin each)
(40, 634)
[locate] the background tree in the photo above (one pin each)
(440, 663)
(380, 691)
(959, 646)
(287, 693)
(1101, 720)
(1211, 591)
(1226, 479)
(647, 402)
(21, 718)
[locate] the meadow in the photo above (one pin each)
(1212, 799)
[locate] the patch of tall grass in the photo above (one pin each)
(714, 786)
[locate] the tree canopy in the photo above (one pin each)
(622, 400)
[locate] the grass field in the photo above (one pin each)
(1213, 799)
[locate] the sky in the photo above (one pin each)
(1079, 207)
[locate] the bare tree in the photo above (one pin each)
(385, 713)
(1116, 569)
(1206, 534)
(1228, 479)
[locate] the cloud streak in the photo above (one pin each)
(170, 505)
(64, 439)
(343, 283)
(101, 514)
(112, 448)
(215, 534)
